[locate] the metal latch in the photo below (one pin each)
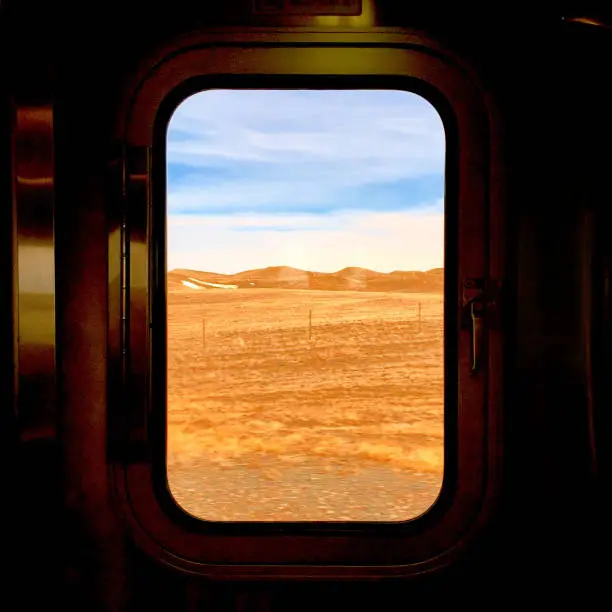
(480, 307)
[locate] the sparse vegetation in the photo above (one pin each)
(269, 422)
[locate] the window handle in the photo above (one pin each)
(477, 315)
(481, 300)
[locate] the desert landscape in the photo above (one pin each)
(304, 396)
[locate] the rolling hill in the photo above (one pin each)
(284, 277)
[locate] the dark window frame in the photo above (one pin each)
(159, 353)
(296, 548)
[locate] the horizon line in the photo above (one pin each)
(301, 270)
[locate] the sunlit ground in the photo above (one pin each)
(272, 417)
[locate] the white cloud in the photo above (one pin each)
(419, 153)
(259, 150)
(247, 193)
(383, 241)
(344, 138)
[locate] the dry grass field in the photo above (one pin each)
(273, 419)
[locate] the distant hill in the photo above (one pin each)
(347, 279)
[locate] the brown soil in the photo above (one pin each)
(270, 419)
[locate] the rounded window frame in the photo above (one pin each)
(472, 436)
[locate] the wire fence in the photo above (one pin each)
(421, 317)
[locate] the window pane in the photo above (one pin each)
(305, 305)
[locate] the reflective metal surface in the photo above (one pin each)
(35, 301)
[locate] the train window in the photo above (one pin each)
(305, 355)
(303, 370)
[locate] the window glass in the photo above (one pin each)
(305, 252)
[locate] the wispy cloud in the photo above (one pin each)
(259, 168)
(259, 194)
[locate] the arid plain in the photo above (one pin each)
(297, 396)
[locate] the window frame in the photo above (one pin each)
(137, 349)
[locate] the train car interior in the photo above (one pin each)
(306, 305)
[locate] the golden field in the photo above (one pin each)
(271, 417)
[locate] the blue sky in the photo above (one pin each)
(317, 180)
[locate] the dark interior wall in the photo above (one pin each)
(549, 80)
